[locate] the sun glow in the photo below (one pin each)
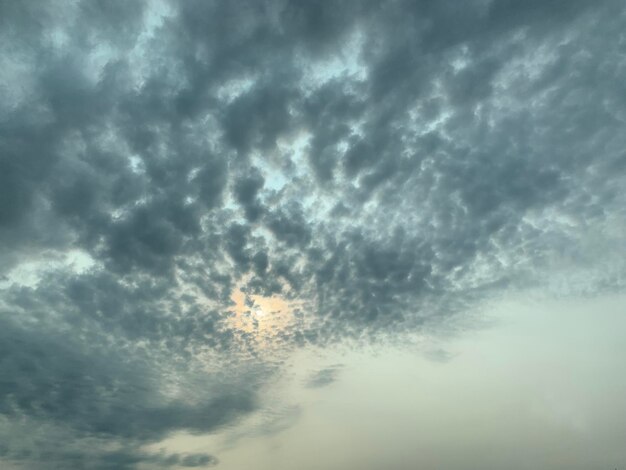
(263, 318)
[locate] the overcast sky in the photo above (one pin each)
(298, 234)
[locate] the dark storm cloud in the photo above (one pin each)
(389, 164)
(92, 383)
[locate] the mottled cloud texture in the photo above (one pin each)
(383, 166)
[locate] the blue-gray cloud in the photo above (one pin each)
(386, 164)
(324, 377)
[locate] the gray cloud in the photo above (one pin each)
(388, 165)
(324, 377)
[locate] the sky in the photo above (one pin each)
(278, 234)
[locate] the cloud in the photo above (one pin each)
(324, 377)
(439, 355)
(387, 166)
(198, 460)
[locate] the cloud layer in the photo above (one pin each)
(383, 166)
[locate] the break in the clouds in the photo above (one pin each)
(190, 190)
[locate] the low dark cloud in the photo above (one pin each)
(324, 377)
(387, 165)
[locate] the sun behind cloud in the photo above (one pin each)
(264, 319)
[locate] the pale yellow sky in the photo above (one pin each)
(542, 388)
